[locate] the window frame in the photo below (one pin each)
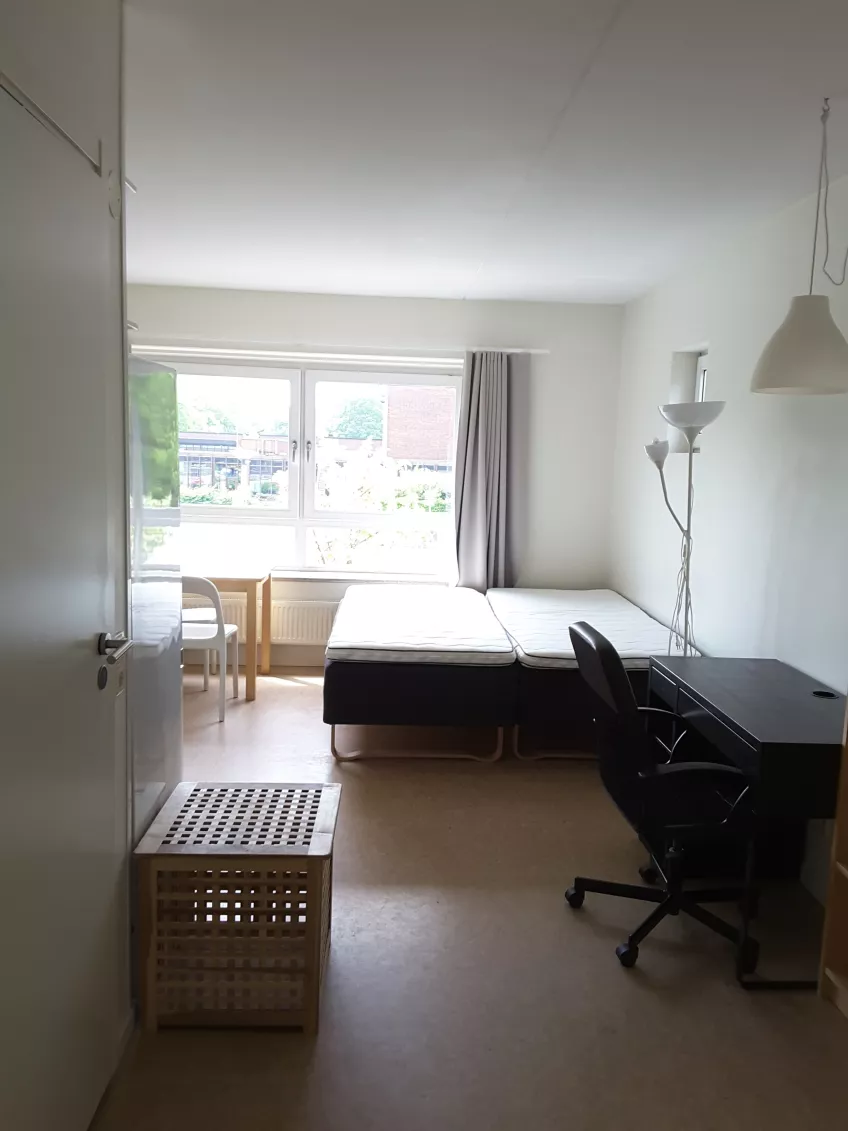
(300, 513)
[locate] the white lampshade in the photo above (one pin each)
(806, 354)
(692, 414)
(657, 452)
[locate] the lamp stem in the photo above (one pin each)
(825, 114)
(688, 551)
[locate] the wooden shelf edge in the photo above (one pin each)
(835, 988)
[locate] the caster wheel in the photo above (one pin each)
(749, 957)
(649, 874)
(574, 897)
(627, 954)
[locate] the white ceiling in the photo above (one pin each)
(509, 149)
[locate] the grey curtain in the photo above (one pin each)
(485, 482)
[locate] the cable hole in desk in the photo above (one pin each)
(825, 694)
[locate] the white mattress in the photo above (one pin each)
(537, 620)
(418, 624)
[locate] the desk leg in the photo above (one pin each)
(265, 666)
(748, 980)
(250, 642)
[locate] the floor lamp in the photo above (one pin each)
(691, 418)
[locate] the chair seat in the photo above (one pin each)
(198, 633)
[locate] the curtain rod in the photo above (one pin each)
(507, 349)
(421, 358)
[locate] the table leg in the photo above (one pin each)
(265, 666)
(250, 642)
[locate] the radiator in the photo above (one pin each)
(292, 622)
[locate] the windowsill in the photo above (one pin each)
(328, 575)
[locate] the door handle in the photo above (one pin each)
(114, 648)
(294, 451)
(308, 450)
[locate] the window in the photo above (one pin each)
(688, 383)
(701, 378)
(324, 470)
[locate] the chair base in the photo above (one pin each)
(672, 899)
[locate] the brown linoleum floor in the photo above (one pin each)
(461, 994)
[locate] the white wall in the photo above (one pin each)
(770, 565)
(573, 390)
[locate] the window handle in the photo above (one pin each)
(308, 450)
(294, 451)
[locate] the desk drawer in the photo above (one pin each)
(726, 741)
(664, 688)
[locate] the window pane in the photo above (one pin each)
(207, 547)
(234, 441)
(381, 550)
(384, 448)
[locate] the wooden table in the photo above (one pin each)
(251, 583)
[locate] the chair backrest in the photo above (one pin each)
(624, 747)
(601, 667)
(203, 587)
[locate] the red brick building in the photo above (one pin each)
(420, 423)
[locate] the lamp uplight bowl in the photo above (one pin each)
(692, 414)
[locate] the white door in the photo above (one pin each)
(64, 820)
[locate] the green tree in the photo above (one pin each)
(200, 418)
(360, 419)
(154, 405)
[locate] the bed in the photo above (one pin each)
(419, 655)
(554, 705)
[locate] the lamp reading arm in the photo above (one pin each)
(680, 525)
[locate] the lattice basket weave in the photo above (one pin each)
(235, 890)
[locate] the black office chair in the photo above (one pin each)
(673, 806)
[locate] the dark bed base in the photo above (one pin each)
(449, 695)
(555, 712)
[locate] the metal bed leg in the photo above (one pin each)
(496, 753)
(356, 755)
(334, 750)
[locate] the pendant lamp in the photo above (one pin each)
(808, 354)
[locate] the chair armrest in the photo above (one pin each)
(663, 711)
(702, 769)
(708, 773)
(670, 750)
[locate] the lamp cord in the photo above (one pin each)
(675, 633)
(822, 209)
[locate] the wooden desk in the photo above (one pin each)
(783, 730)
(779, 726)
(251, 583)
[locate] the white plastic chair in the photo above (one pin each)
(213, 637)
(205, 614)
